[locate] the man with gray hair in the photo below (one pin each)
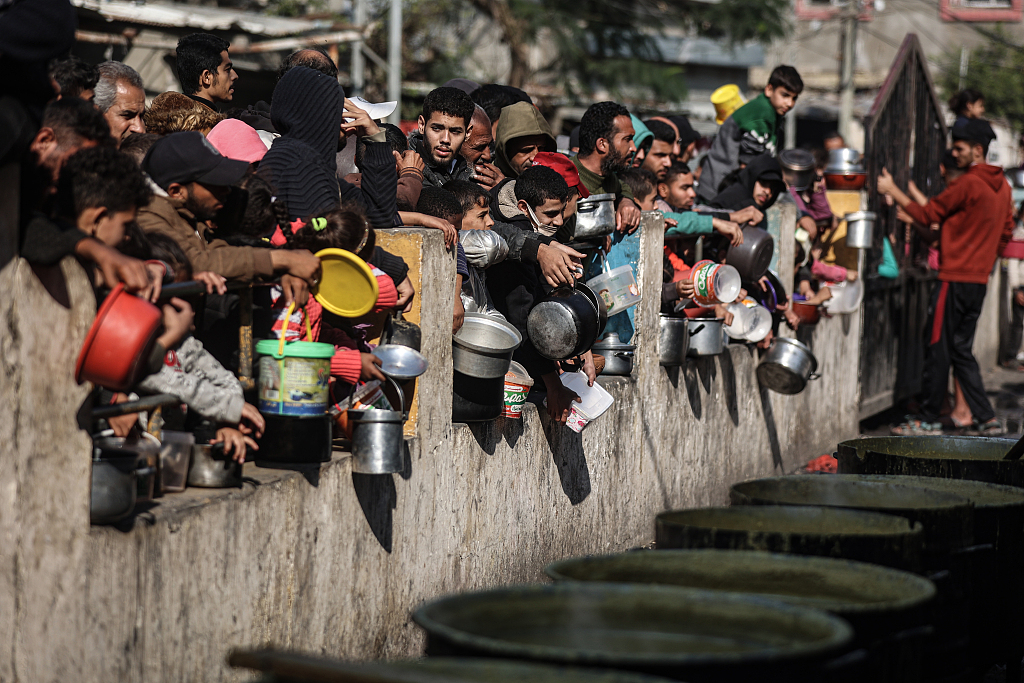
(121, 99)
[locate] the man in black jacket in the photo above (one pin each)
(309, 109)
(444, 124)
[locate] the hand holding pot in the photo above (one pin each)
(177, 322)
(560, 398)
(251, 416)
(558, 263)
(627, 218)
(750, 215)
(234, 442)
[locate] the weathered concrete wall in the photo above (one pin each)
(329, 561)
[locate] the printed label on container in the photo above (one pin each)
(577, 420)
(294, 386)
(515, 397)
(703, 274)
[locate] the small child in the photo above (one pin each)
(101, 190)
(483, 248)
(440, 203)
(344, 228)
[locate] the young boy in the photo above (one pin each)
(516, 286)
(101, 189)
(440, 203)
(482, 246)
(750, 131)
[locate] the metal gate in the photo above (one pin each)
(905, 133)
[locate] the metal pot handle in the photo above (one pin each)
(814, 375)
(698, 329)
(401, 398)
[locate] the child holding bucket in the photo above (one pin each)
(342, 228)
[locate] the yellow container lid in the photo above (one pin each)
(347, 285)
(726, 99)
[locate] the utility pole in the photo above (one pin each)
(358, 61)
(846, 85)
(965, 58)
(395, 60)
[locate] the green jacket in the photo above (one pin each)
(516, 121)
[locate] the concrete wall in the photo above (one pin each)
(329, 561)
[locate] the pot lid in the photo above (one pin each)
(611, 342)
(796, 160)
(860, 216)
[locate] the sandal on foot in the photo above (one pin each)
(915, 426)
(991, 428)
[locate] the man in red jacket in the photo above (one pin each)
(976, 215)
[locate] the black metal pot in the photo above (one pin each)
(476, 399)
(754, 256)
(618, 357)
(298, 440)
(566, 323)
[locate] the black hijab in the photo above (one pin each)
(740, 193)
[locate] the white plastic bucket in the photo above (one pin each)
(846, 297)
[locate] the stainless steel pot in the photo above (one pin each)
(754, 256)
(595, 216)
(787, 366)
(212, 469)
(483, 347)
(565, 324)
(797, 168)
(846, 157)
(618, 357)
(673, 340)
(860, 229)
(706, 337)
(377, 438)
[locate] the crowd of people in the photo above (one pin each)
(193, 187)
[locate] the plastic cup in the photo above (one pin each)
(517, 386)
(715, 283)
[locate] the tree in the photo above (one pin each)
(608, 44)
(996, 69)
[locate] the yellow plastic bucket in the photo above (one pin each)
(726, 99)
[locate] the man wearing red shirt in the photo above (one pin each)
(976, 215)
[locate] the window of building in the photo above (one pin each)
(981, 10)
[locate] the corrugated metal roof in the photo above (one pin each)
(202, 18)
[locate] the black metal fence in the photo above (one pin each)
(905, 133)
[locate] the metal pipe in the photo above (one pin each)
(846, 84)
(128, 407)
(395, 60)
(358, 61)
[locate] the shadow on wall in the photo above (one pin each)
(378, 498)
(729, 387)
(769, 423)
(570, 460)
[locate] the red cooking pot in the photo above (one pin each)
(118, 341)
(809, 314)
(845, 181)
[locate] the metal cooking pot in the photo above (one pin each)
(565, 324)
(754, 256)
(115, 486)
(602, 309)
(211, 469)
(797, 168)
(860, 228)
(705, 337)
(787, 366)
(595, 216)
(377, 438)
(618, 357)
(673, 340)
(845, 157)
(483, 347)
(845, 180)
(398, 330)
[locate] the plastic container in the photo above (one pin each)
(846, 297)
(517, 386)
(715, 283)
(594, 401)
(617, 288)
(762, 323)
(742, 321)
(294, 377)
(175, 453)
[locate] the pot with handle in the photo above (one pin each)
(483, 347)
(752, 258)
(595, 216)
(787, 366)
(705, 337)
(673, 340)
(566, 323)
(377, 438)
(618, 357)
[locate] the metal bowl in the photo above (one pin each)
(797, 168)
(844, 157)
(483, 347)
(400, 362)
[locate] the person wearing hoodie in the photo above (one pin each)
(443, 125)
(522, 134)
(750, 131)
(302, 164)
(758, 185)
(642, 139)
(975, 220)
